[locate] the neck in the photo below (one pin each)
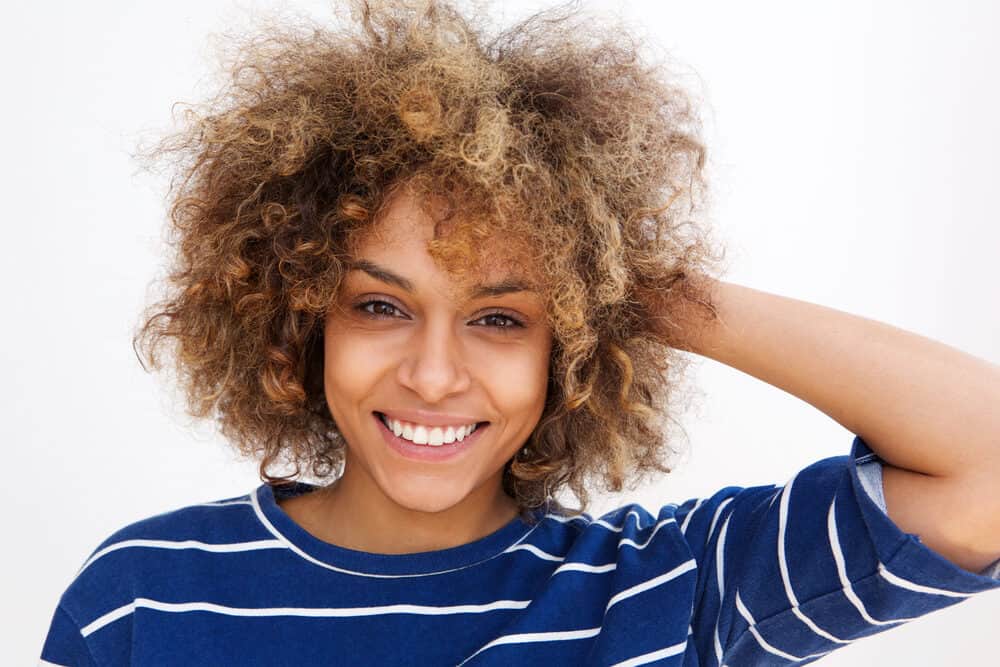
(353, 514)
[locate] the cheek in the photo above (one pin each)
(349, 366)
(517, 382)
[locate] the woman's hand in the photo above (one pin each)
(683, 314)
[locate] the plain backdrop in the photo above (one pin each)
(853, 162)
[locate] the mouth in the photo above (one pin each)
(428, 452)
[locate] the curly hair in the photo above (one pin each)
(553, 131)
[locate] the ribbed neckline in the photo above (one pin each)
(363, 562)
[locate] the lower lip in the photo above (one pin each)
(428, 452)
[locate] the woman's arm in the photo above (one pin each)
(930, 411)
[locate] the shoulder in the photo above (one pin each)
(138, 552)
(630, 532)
(172, 553)
(210, 521)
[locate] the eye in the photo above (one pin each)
(363, 307)
(511, 322)
(379, 309)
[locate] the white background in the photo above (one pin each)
(853, 163)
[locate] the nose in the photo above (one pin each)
(436, 366)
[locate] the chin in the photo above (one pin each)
(430, 497)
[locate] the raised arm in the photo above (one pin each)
(930, 411)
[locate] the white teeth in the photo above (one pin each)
(422, 435)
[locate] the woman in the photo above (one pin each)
(449, 276)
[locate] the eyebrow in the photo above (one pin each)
(385, 275)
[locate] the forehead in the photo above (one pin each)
(397, 245)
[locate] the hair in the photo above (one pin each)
(553, 132)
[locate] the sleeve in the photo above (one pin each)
(787, 574)
(64, 644)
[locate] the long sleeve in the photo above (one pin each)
(790, 573)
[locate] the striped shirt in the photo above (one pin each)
(763, 575)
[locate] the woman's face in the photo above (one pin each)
(408, 341)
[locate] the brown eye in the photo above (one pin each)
(510, 322)
(378, 312)
(381, 309)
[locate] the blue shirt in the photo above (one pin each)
(764, 575)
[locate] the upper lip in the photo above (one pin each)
(430, 418)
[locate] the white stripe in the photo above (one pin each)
(605, 524)
(584, 567)
(651, 657)
(618, 529)
(783, 566)
(760, 640)
(630, 542)
(686, 566)
(720, 558)
(313, 612)
(774, 496)
(838, 557)
(230, 547)
(920, 588)
(315, 561)
(225, 503)
(567, 519)
(46, 663)
(535, 550)
(718, 511)
(530, 637)
(107, 618)
(691, 514)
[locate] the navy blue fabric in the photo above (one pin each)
(765, 575)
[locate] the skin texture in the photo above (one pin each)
(432, 349)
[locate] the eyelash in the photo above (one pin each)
(515, 323)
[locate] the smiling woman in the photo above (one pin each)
(528, 149)
(430, 277)
(410, 344)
